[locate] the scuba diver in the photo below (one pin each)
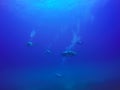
(76, 40)
(48, 51)
(32, 35)
(30, 43)
(69, 53)
(59, 75)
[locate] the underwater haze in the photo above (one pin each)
(59, 45)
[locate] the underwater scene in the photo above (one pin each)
(59, 45)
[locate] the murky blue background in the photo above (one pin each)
(96, 63)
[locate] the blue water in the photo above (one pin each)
(59, 45)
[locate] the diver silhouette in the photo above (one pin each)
(32, 35)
